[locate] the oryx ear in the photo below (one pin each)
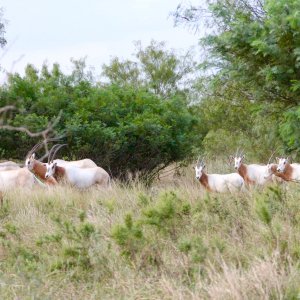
(231, 157)
(203, 166)
(243, 156)
(33, 155)
(277, 158)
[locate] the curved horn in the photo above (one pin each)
(34, 148)
(242, 152)
(39, 144)
(272, 154)
(202, 161)
(55, 151)
(50, 155)
(237, 152)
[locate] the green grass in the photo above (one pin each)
(169, 241)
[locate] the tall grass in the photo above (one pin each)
(168, 241)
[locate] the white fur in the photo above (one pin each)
(16, 178)
(256, 173)
(270, 174)
(282, 162)
(222, 183)
(81, 178)
(83, 163)
(8, 165)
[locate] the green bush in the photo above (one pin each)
(123, 129)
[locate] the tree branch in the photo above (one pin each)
(42, 133)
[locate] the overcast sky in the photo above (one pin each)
(56, 30)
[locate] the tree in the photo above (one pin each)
(161, 71)
(253, 45)
(125, 129)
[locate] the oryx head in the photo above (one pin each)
(282, 162)
(29, 162)
(50, 169)
(200, 165)
(30, 157)
(237, 159)
(51, 166)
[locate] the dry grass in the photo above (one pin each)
(169, 241)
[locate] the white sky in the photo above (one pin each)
(58, 30)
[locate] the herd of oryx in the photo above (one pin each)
(248, 174)
(85, 173)
(81, 173)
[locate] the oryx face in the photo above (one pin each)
(29, 162)
(238, 160)
(50, 169)
(282, 162)
(199, 171)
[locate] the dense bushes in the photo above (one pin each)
(122, 129)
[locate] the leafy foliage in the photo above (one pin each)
(251, 69)
(163, 72)
(122, 128)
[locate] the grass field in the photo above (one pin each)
(169, 241)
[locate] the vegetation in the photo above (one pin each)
(250, 72)
(164, 240)
(124, 129)
(170, 241)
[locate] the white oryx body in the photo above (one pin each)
(21, 177)
(8, 165)
(220, 183)
(81, 178)
(78, 177)
(290, 171)
(253, 174)
(83, 163)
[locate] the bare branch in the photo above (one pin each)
(6, 108)
(44, 133)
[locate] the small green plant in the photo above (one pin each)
(194, 247)
(129, 237)
(263, 210)
(166, 213)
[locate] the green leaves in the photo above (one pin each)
(164, 72)
(122, 128)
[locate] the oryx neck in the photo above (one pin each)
(204, 181)
(59, 172)
(287, 172)
(39, 170)
(242, 170)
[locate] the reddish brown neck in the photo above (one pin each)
(287, 173)
(275, 172)
(204, 181)
(39, 170)
(59, 173)
(242, 170)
